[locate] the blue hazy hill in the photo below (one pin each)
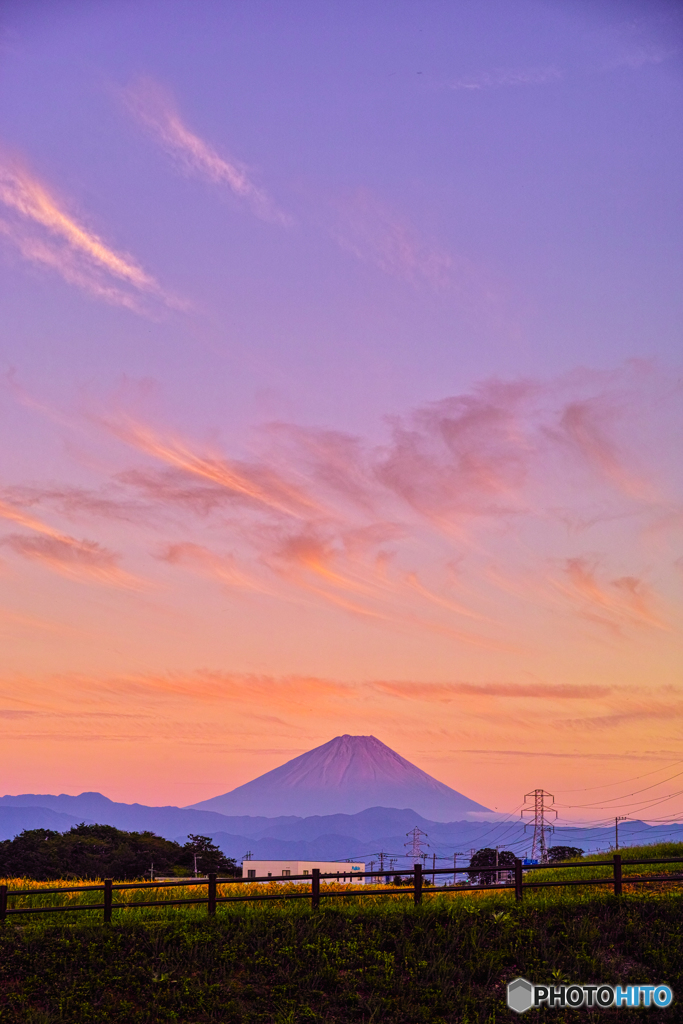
(317, 837)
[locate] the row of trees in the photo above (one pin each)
(505, 860)
(102, 851)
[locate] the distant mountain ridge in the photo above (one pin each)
(319, 837)
(346, 775)
(347, 771)
(94, 807)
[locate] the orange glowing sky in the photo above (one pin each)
(296, 446)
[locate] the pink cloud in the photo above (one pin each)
(586, 424)
(447, 692)
(362, 224)
(155, 108)
(258, 483)
(46, 234)
(616, 603)
(491, 479)
(225, 568)
(75, 558)
(468, 455)
(369, 230)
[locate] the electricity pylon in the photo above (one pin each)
(539, 850)
(415, 843)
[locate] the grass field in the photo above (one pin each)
(373, 961)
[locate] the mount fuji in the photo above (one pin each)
(344, 776)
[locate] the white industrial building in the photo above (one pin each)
(280, 870)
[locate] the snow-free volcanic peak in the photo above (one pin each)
(344, 776)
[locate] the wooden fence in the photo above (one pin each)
(108, 887)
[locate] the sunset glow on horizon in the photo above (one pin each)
(341, 393)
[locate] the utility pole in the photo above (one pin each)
(619, 817)
(433, 869)
(458, 853)
(539, 810)
(372, 877)
(382, 854)
(195, 865)
(498, 873)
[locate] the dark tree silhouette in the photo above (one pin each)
(209, 856)
(486, 858)
(87, 851)
(560, 853)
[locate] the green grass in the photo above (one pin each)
(380, 961)
(656, 852)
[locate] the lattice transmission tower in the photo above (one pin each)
(539, 809)
(415, 843)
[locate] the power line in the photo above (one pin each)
(634, 778)
(496, 824)
(612, 799)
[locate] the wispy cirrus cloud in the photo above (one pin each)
(358, 220)
(235, 688)
(231, 689)
(363, 224)
(586, 425)
(366, 227)
(77, 503)
(466, 455)
(225, 714)
(640, 55)
(613, 603)
(155, 108)
(225, 568)
(500, 78)
(489, 481)
(642, 712)
(257, 483)
(11, 620)
(447, 692)
(633, 44)
(46, 234)
(79, 559)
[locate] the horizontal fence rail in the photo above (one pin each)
(515, 873)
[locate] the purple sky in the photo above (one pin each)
(284, 248)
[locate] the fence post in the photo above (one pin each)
(108, 882)
(617, 874)
(3, 902)
(418, 883)
(519, 892)
(211, 907)
(315, 888)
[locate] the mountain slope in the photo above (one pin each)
(346, 775)
(14, 820)
(94, 807)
